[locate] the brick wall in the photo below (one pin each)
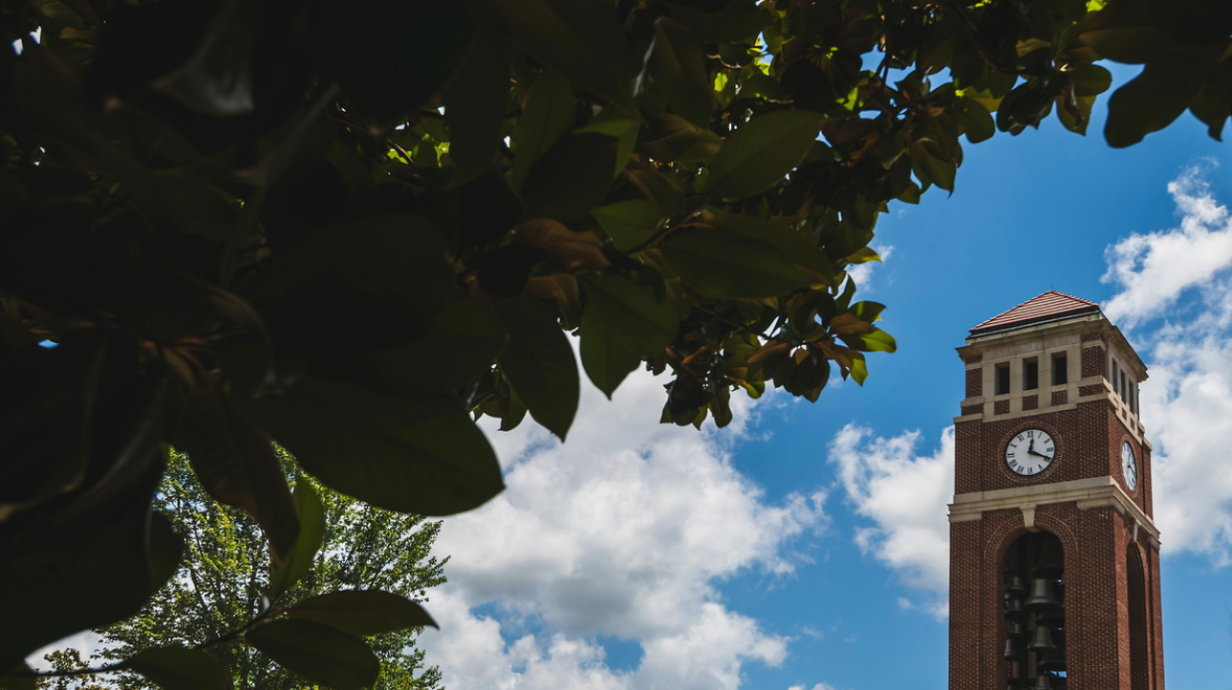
(1097, 541)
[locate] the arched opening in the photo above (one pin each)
(1139, 659)
(1033, 591)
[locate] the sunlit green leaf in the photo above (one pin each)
(312, 531)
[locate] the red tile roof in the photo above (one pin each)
(1048, 306)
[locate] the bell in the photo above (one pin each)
(1053, 661)
(1014, 609)
(1054, 618)
(1049, 563)
(1042, 641)
(1017, 586)
(1012, 650)
(1043, 597)
(1017, 630)
(1043, 682)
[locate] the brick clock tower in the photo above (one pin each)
(1054, 556)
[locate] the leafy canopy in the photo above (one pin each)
(350, 226)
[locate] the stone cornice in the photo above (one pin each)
(1087, 493)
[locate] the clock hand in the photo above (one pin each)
(1031, 451)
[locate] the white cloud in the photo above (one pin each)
(622, 532)
(863, 273)
(905, 495)
(819, 686)
(1176, 291)
(1155, 269)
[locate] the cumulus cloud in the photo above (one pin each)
(1176, 297)
(1155, 269)
(863, 273)
(905, 495)
(623, 533)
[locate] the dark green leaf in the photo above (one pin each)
(571, 179)
(539, 363)
(1090, 80)
(219, 78)
(177, 668)
(419, 455)
(475, 100)
(741, 20)
(605, 360)
(20, 677)
(629, 223)
(678, 68)
(631, 313)
(721, 264)
(317, 653)
(548, 116)
(581, 39)
(461, 345)
(362, 613)
(1157, 96)
(931, 167)
(311, 534)
(762, 152)
(236, 464)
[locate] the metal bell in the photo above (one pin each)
(1017, 586)
(1043, 595)
(1043, 682)
(1012, 650)
(1054, 661)
(1042, 641)
(1054, 618)
(1014, 609)
(1049, 563)
(1016, 630)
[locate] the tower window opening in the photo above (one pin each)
(1003, 378)
(1060, 371)
(1030, 374)
(1116, 371)
(1124, 389)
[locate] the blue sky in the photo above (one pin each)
(805, 548)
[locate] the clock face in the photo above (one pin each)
(1030, 452)
(1129, 467)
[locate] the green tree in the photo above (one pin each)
(224, 578)
(350, 226)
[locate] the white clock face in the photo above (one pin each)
(1030, 452)
(1129, 467)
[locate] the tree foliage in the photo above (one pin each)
(223, 585)
(350, 226)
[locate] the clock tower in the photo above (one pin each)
(1054, 555)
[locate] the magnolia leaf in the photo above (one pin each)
(317, 652)
(298, 562)
(607, 362)
(409, 454)
(539, 363)
(177, 668)
(678, 68)
(571, 178)
(235, 461)
(547, 116)
(631, 313)
(629, 223)
(762, 152)
(1159, 95)
(721, 264)
(475, 100)
(581, 39)
(363, 613)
